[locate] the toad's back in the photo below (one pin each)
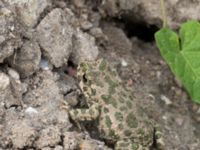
(120, 118)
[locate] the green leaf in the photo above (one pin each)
(182, 54)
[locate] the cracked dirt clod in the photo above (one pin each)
(29, 11)
(21, 138)
(71, 140)
(49, 136)
(10, 91)
(9, 33)
(84, 47)
(46, 98)
(178, 11)
(54, 34)
(26, 60)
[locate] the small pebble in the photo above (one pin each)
(124, 63)
(151, 97)
(4, 81)
(164, 117)
(96, 32)
(31, 110)
(14, 74)
(166, 100)
(179, 121)
(45, 65)
(158, 74)
(86, 25)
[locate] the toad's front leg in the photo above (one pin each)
(85, 114)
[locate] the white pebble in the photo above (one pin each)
(4, 81)
(124, 63)
(31, 110)
(14, 74)
(166, 100)
(164, 117)
(45, 65)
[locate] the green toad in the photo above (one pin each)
(109, 101)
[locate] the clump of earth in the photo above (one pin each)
(43, 41)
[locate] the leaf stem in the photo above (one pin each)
(164, 16)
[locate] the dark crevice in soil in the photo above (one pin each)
(61, 143)
(93, 5)
(141, 30)
(70, 66)
(70, 63)
(12, 106)
(136, 28)
(154, 145)
(68, 92)
(28, 147)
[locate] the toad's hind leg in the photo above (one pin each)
(127, 144)
(85, 114)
